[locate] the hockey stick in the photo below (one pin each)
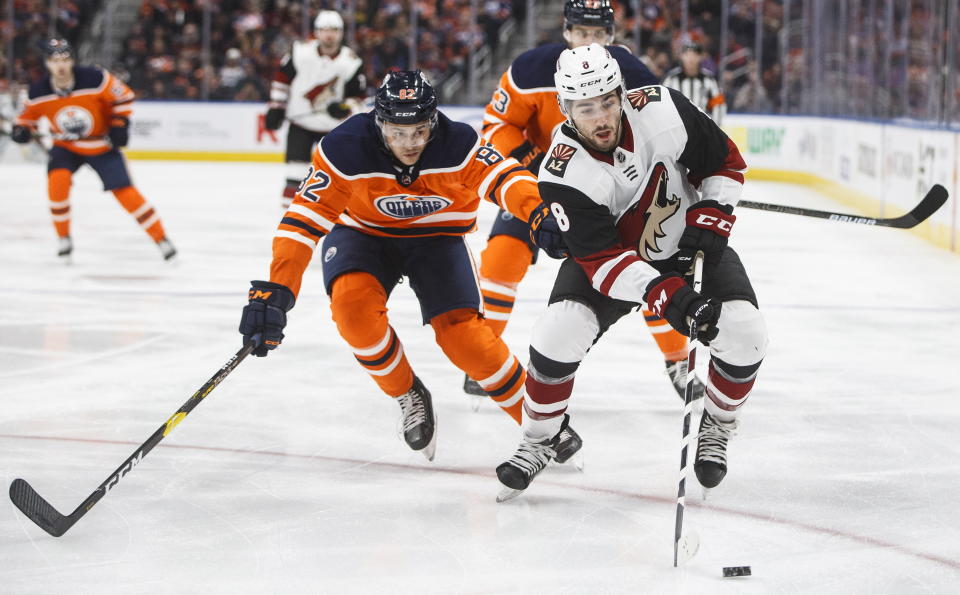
(685, 546)
(50, 520)
(933, 200)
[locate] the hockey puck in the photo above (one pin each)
(729, 571)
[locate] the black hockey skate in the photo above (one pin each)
(677, 371)
(166, 249)
(711, 463)
(418, 421)
(476, 392)
(531, 458)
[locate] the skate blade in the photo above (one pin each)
(508, 494)
(431, 449)
(475, 402)
(67, 260)
(706, 492)
(577, 461)
(688, 546)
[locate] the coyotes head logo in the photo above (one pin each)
(641, 226)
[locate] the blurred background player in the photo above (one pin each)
(319, 84)
(520, 121)
(392, 193)
(632, 239)
(89, 113)
(696, 83)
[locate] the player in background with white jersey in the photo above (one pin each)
(392, 193)
(89, 114)
(696, 83)
(319, 84)
(638, 181)
(520, 121)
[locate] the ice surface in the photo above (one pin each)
(290, 477)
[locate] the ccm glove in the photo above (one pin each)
(338, 110)
(545, 233)
(265, 316)
(274, 118)
(21, 134)
(673, 300)
(119, 136)
(708, 228)
(529, 156)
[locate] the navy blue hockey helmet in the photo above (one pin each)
(57, 46)
(405, 97)
(588, 13)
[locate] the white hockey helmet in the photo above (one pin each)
(328, 19)
(585, 72)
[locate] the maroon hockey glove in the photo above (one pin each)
(265, 316)
(274, 118)
(529, 156)
(545, 232)
(708, 228)
(673, 300)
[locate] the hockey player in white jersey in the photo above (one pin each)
(639, 181)
(319, 84)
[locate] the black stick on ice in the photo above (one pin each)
(934, 199)
(50, 520)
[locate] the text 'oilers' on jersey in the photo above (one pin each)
(524, 106)
(354, 181)
(619, 210)
(80, 119)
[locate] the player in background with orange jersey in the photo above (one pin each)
(392, 193)
(89, 113)
(520, 121)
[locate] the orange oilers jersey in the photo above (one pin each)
(524, 107)
(354, 181)
(79, 120)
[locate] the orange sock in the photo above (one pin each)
(58, 191)
(503, 263)
(141, 210)
(671, 343)
(474, 348)
(359, 306)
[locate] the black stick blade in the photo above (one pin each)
(37, 509)
(933, 200)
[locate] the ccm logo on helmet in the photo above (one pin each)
(704, 220)
(590, 83)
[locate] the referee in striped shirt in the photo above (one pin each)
(696, 84)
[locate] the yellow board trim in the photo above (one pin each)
(938, 234)
(204, 156)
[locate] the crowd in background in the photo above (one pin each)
(871, 68)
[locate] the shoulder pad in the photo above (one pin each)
(451, 144)
(354, 147)
(87, 77)
(635, 73)
(534, 68)
(40, 88)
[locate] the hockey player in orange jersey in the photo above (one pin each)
(520, 121)
(89, 114)
(391, 193)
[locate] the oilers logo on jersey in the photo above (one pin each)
(74, 120)
(405, 206)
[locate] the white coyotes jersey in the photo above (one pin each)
(319, 81)
(622, 209)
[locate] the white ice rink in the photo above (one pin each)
(290, 476)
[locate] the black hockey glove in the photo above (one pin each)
(274, 118)
(119, 135)
(265, 316)
(338, 110)
(545, 232)
(673, 300)
(529, 156)
(21, 134)
(708, 229)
